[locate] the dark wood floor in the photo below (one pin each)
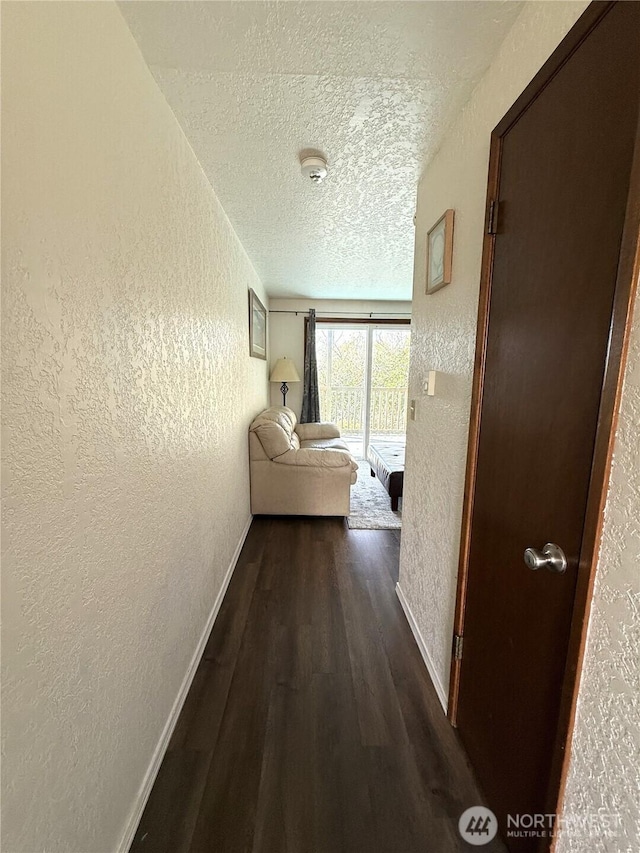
(311, 725)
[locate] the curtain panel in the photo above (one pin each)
(310, 394)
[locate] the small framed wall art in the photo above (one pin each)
(257, 327)
(440, 252)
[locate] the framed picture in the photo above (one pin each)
(440, 252)
(257, 327)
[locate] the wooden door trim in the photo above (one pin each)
(486, 279)
(626, 283)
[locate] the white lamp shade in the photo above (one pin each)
(284, 371)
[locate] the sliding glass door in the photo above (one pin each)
(389, 383)
(342, 377)
(362, 373)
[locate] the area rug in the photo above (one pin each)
(371, 505)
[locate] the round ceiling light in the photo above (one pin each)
(314, 168)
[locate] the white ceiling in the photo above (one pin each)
(373, 85)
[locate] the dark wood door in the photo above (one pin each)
(564, 179)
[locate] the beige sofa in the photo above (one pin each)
(298, 469)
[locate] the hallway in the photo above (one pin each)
(311, 725)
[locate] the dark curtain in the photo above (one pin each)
(310, 396)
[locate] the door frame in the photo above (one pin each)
(625, 289)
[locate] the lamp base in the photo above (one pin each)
(284, 389)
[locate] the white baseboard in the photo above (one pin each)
(165, 737)
(426, 657)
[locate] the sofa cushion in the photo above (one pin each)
(309, 432)
(325, 444)
(275, 428)
(318, 458)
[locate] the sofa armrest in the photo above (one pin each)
(312, 457)
(309, 432)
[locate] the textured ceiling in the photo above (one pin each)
(373, 85)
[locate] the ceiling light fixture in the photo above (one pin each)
(314, 168)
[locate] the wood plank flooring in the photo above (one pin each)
(311, 725)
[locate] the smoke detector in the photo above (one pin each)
(314, 168)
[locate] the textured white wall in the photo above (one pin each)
(286, 332)
(604, 773)
(127, 391)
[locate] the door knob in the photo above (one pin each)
(551, 557)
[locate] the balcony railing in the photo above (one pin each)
(345, 407)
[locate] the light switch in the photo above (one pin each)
(430, 384)
(412, 410)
